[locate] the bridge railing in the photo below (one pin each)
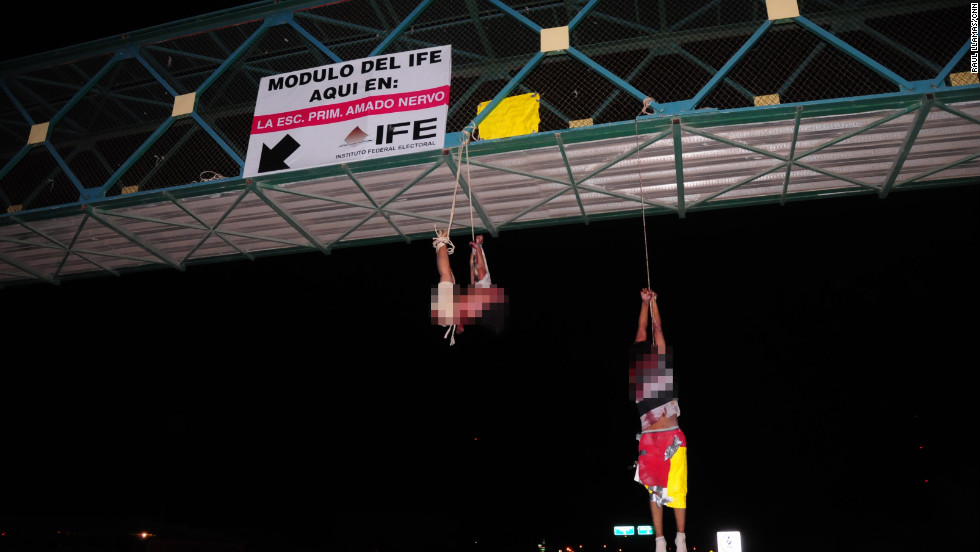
(172, 106)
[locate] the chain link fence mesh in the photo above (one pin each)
(111, 130)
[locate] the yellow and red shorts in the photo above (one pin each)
(662, 466)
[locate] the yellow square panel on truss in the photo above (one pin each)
(963, 79)
(14, 208)
(39, 133)
(768, 99)
(782, 9)
(184, 104)
(130, 190)
(555, 38)
(513, 116)
(580, 123)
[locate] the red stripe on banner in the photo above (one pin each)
(354, 109)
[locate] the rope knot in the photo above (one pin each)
(442, 240)
(646, 106)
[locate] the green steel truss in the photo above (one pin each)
(97, 176)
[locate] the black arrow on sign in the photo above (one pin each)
(274, 159)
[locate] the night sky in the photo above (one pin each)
(824, 355)
(823, 352)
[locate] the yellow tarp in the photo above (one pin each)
(513, 116)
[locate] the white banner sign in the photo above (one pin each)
(362, 109)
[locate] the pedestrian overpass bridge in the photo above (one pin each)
(128, 153)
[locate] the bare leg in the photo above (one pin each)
(680, 541)
(680, 516)
(658, 519)
(658, 527)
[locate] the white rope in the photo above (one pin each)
(207, 176)
(464, 149)
(440, 241)
(646, 106)
(452, 213)
(639, 172)
(643, 215)
(469, 182)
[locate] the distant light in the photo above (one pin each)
(729, 541)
